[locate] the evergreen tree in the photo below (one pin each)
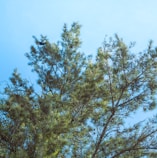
(83, 105)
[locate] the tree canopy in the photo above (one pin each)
(83, 104)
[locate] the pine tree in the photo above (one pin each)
(82, 105)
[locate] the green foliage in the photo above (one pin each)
(83, 104)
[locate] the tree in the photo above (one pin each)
(82, 107)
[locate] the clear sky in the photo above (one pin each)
(133, 20)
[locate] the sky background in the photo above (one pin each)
(133, 20)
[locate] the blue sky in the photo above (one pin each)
(134, 20)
